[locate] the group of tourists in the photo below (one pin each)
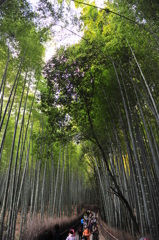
(87, 227)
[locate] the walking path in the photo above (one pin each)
(101, 237)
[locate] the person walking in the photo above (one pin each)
(94, 221)
(82, 221)
(86, 233)
(90, 226)
(95, 233)
(73, 231)
(80, 231)
(70, 235)
(57, 235)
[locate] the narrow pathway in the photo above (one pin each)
(101, 237)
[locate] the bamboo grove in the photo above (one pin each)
(84, 127)
(37, 178)
(36, 171)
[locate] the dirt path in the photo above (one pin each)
(101, 237)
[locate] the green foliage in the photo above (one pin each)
(91, 94)
(84, 78)
(21, 37)
(21, 34)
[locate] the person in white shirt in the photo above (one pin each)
(71, 236)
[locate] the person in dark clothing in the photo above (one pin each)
(80, 231)
(94, 222)
(90, 226)
(57, 235)
(87, 212)
(95, 233)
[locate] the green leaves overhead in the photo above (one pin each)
(20, 32)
